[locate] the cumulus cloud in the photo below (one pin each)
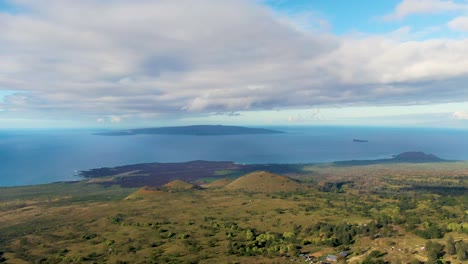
(115, 119)
(413, 7)
(460, 115)
(151, 58)
(459, 24)
(293, 119)
(110, 119)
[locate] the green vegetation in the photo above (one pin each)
(394, 213)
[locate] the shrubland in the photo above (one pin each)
(394, 213)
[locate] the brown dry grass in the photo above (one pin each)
(264, 182)
(217, 184)
(177, 185)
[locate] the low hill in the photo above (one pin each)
(178, 185)
(405, 157)
(217, 184)
(263, 181)
(143, 192)
(198, 130)
(416, 157)
(156, 174)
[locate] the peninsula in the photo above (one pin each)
(405, 157)
(156, 174)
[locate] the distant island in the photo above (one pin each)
(360, 140)
(197, 130)
(405, 157)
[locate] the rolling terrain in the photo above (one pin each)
(383, 213)
(157, 174)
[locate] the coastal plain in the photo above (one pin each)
(379, 213)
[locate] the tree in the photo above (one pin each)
(462, 250)
(249, 235)
(434, 251)
(432, 257)
(289, 236)
(450, 247)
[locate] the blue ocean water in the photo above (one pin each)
(34, 157)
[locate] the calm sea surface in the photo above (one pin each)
(33, 157)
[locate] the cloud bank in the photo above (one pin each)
(152, 58)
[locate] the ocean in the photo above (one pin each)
(40, 156)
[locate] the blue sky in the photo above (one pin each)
(252, 62)
(364, 15)
(8, 7)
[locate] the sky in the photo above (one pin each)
(138, 63)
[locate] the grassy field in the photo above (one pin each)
(376, 214)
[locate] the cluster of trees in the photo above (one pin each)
(336, 187)
(251, 242)
(435, 251)
(344, 234)
(430, 231)
(264, 243)
(440, 216)
(459, 248)
(411, 222)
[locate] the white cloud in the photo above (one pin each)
(460, 115)
(115, 119)
(146, 58)
(293, 119)
(100, 120)
(413, 7)
(459, 24)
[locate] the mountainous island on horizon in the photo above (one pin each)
(196, 130)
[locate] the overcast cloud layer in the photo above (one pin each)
(151, 58)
